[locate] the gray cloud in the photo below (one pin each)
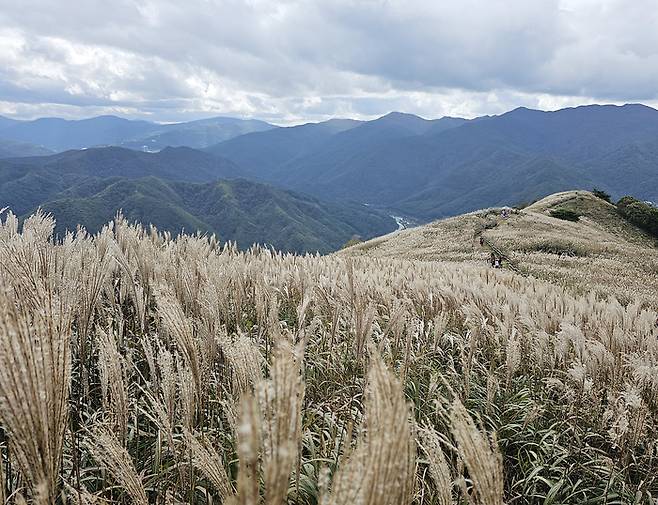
(294, 60)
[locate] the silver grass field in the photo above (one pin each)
(139, 368)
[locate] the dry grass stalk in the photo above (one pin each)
(244, 360)
(187, 394)
(381, 469)
(179, 326)
(482, 458)
(281, 402)
(3, 494)
(440, 473)
(35, 372)
(249, 438)
(206, 459)
(111, 455)
(113, 385)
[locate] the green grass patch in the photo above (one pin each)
(565, 214)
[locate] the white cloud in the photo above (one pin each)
(295, 60)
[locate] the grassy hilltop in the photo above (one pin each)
(601, 252)
(136, 368)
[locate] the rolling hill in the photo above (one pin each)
(602, 252)
(179, 189)
(27, 182)
(242, 211)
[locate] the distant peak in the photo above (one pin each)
(524, 110)
(400, 115)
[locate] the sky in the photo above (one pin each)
(292, 61)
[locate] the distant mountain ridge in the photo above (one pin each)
(59, 135)
(260, 154)
(13, 149)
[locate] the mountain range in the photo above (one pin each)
(431, 169)
(320, 182)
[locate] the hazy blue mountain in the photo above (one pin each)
(446, 123)
(316, 157)
(615, 148)
(631, 169)
(574, 134)
(5, 121)
(13, 149)
(176, 189)
(330, 166)
(262, 153)
(197, 134)
(61, 135)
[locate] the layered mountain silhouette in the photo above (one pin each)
(430, 169)
(357, 173)
(179, 189)
(58, 135)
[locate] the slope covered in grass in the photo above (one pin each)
(602, 252)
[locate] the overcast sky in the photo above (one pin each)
(293, 61)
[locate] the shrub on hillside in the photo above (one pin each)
(558, 247)
(565, 214)
(641, 214)
(602, 195)
(353, 241)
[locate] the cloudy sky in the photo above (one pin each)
(289, 61)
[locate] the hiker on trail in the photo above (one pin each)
(497, 263)
(481, 240)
